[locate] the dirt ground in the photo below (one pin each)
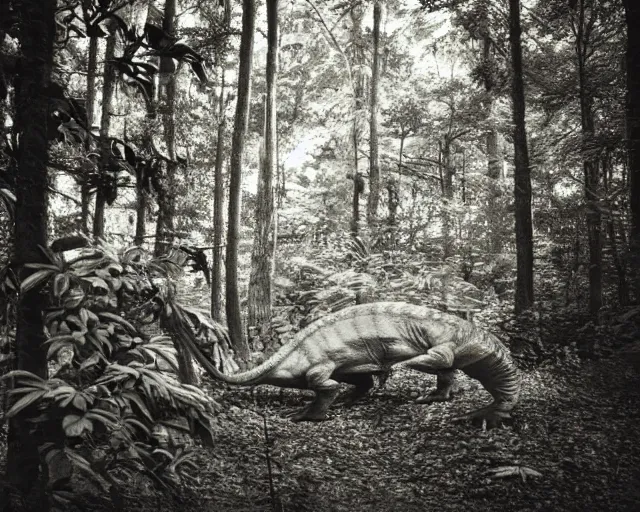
(573, 446)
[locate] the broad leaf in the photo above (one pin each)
(75, 426)
(36, 279)
(25, 402)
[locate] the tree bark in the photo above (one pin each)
(218, 221)
(234, 320)
(37, 31)
(167, 195)
(494, 158)
(632, 15)
(141, 214)
(105, 126)
(522, 174)
(259, 296)
(358, 95)
(374, 166)
(92, 67)
(447, 174)
(591, 168)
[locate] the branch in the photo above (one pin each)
(458, 135)
(335, 44)
(430, 161)
(416, 173)
(66, 196)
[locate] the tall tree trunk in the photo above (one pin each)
(632, 13)
(141, 214)
(234, 320)
(105, 126)
(92, 68)
(218, 221)
(374, 166)
(358, 188)
(522, 174)
(591, 169)
(32, 106)
(357, 81)
(494, 163)
(259, 296)
(167, 196)
(447, 172)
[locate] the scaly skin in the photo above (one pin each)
(359, 341)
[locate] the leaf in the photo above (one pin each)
(200, 71)
(137, 423)
(25, 402)
(77, 321)
(108, 422)
(94, 359)
(509, 471)
(63, 337)
(35, 279)
(42, 266)
(118, 319)
(84, 316)
(97, 282)
(133, 397)
(52, 315)
(74, 299)
(125, 369)
(26, 375)
(161, 451)
(23, 390)
(80, 402)
(74, 425)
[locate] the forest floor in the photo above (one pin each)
(577, 426)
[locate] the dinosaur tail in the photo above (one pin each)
(248, 378)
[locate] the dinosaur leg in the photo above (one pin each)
(363, 383)
(445, 388)
(439, 361)
(500, 378)
(326, 389)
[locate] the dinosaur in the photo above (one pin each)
(358, 342)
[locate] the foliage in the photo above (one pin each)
(357, 275)
(112, 386)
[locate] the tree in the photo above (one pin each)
(374, 164)
(234, 320)
(356, 90)
(105, 180)
(92, 68)
(632, 16)
(357, 78)
(167, 192)
(583, 23)
(259, 299)
(36, 36)
(479, 22)
(218, 200)
(522, 173)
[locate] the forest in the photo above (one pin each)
(246, 247)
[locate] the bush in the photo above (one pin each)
(112, 388)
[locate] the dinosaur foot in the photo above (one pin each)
(489, 415)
